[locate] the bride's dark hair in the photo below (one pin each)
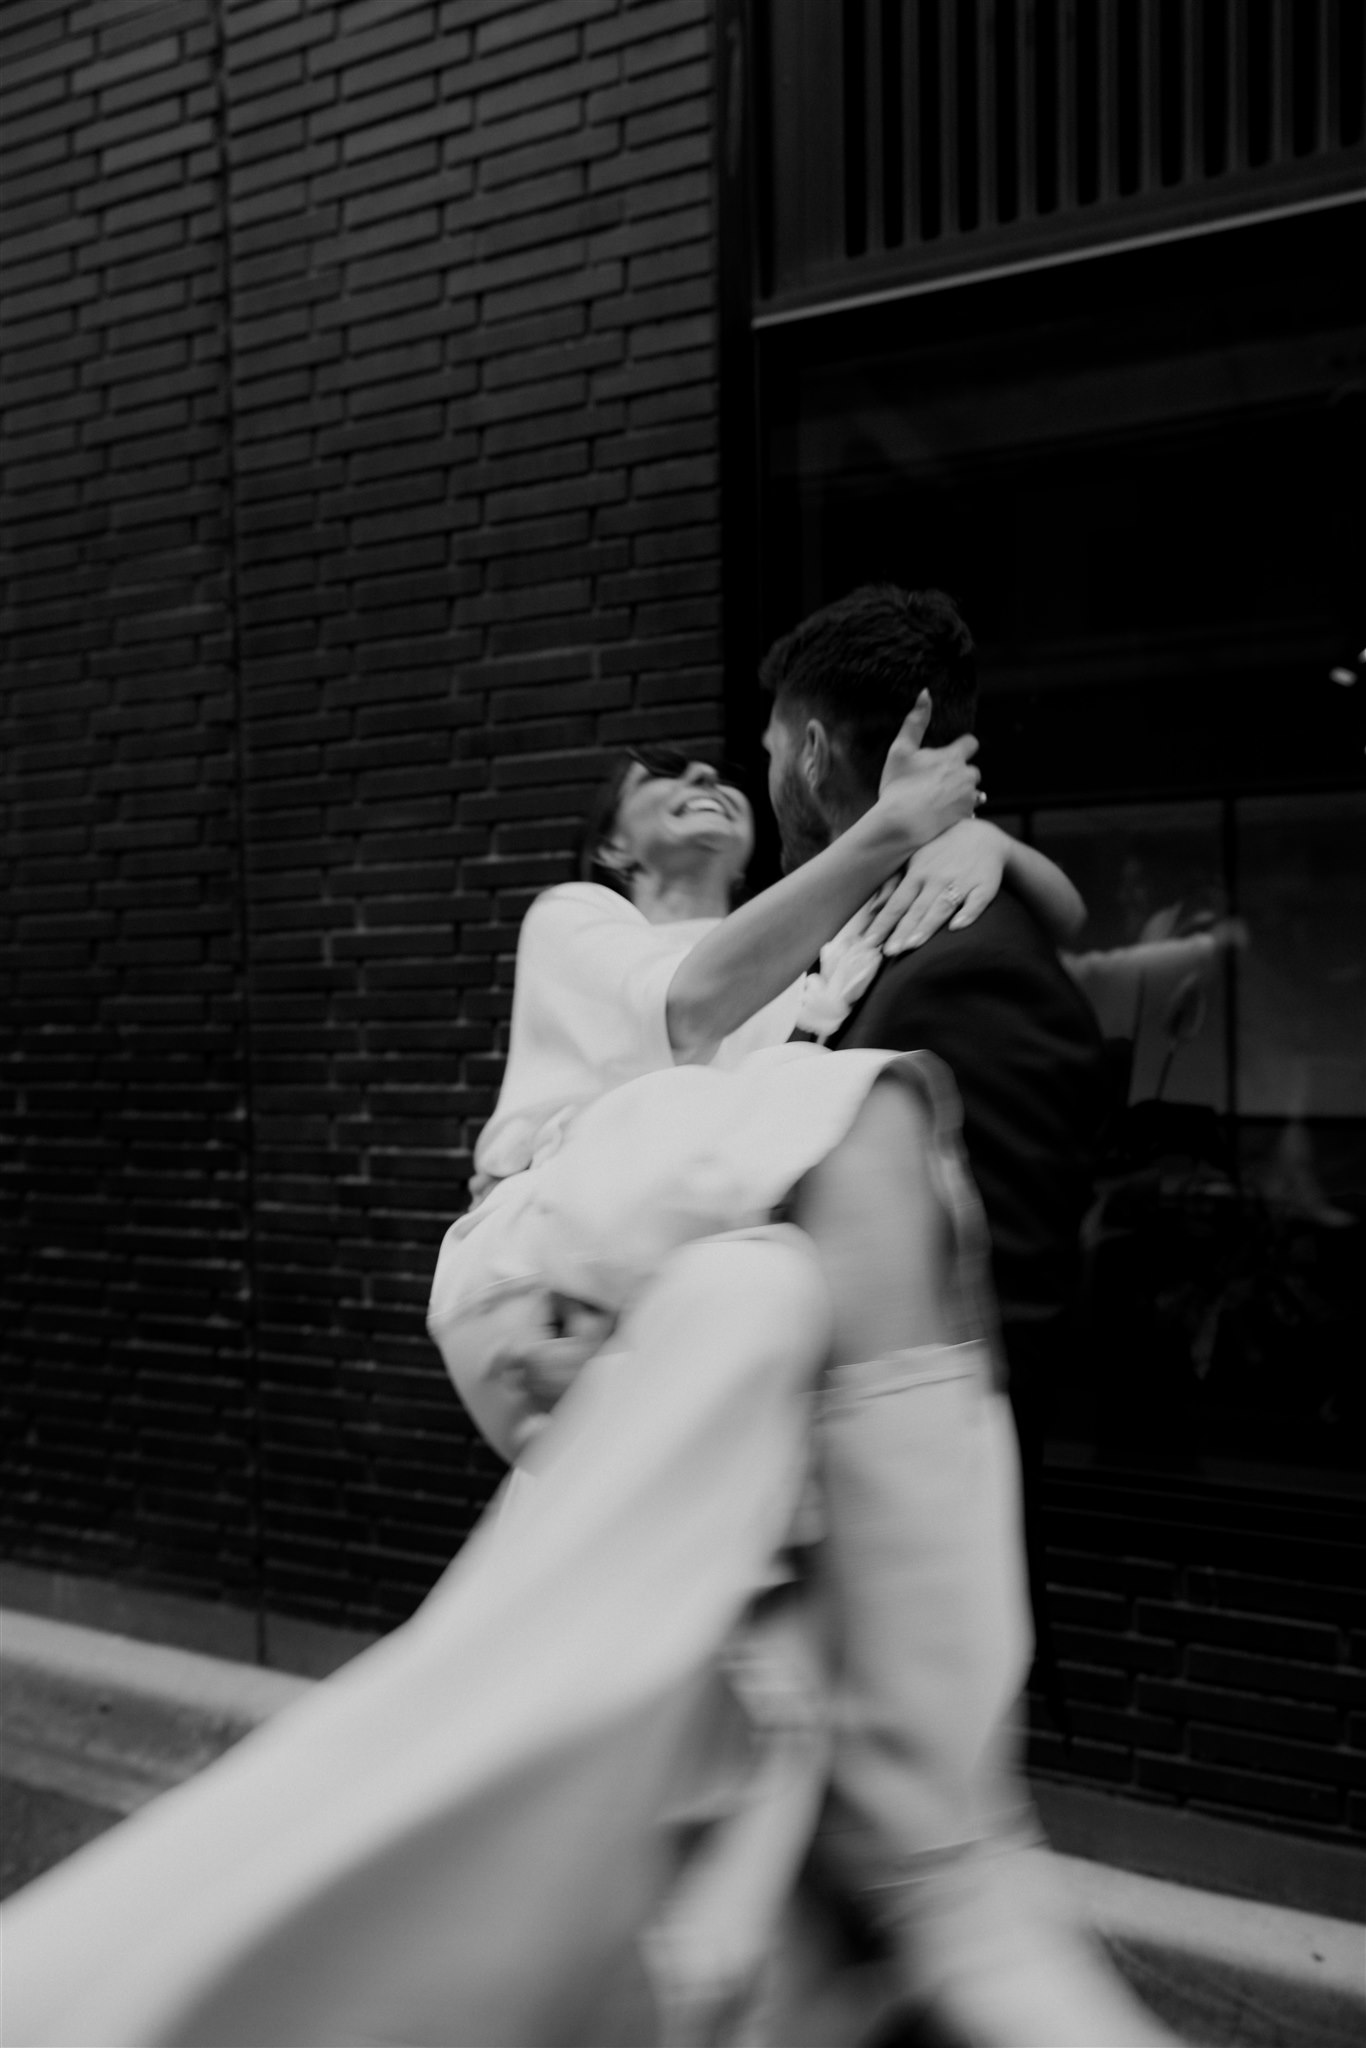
(601, 816)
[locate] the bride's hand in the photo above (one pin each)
(929, 788)
(951, 881)
(904, 748)
(551, 1365)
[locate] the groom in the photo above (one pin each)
(993, 1000)
(927, 1818)
(919, 1574)
(918, 1579)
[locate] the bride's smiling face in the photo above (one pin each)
(668, 824)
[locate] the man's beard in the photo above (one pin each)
(802, 825)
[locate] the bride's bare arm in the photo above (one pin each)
(761, 948)
(1051, 895)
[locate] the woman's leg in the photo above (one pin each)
(458, 1839)
(923, 1579)
(921, 1570)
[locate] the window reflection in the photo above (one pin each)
(1222, 1306)
(1130, 474)
(1302, 1003)
(1152, 876)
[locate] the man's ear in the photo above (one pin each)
(814, 757)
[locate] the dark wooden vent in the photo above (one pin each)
(900, 139)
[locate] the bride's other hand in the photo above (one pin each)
(930, 787)
(551, 1365)
(948, 882)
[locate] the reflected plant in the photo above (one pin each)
(1207, 1269)
(1183, 1020)
(1195, 1259)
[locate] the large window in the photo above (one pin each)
(1137, 477)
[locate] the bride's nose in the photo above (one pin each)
(700, 772)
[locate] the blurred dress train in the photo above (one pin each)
(463, 1838)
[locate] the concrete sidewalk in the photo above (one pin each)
(94, 1725)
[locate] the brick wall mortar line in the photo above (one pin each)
(233, 663)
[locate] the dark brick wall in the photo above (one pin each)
(125, 1289)
(1212, 1643)
(361, 450)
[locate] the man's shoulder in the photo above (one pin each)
(1004, 964)
(1007, 931)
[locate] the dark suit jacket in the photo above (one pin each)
(996, 1004)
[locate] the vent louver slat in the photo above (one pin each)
(913, 136)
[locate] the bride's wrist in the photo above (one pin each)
(890, 833)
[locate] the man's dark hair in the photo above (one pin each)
(860, 664)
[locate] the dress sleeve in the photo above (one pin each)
(600, 974)
(588, 1013)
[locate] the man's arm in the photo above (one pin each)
(996, 1005)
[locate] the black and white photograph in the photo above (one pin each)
(683, 1023)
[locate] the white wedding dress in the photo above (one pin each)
(606, 1155)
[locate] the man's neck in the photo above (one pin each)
(835, 820)
(844, 814)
